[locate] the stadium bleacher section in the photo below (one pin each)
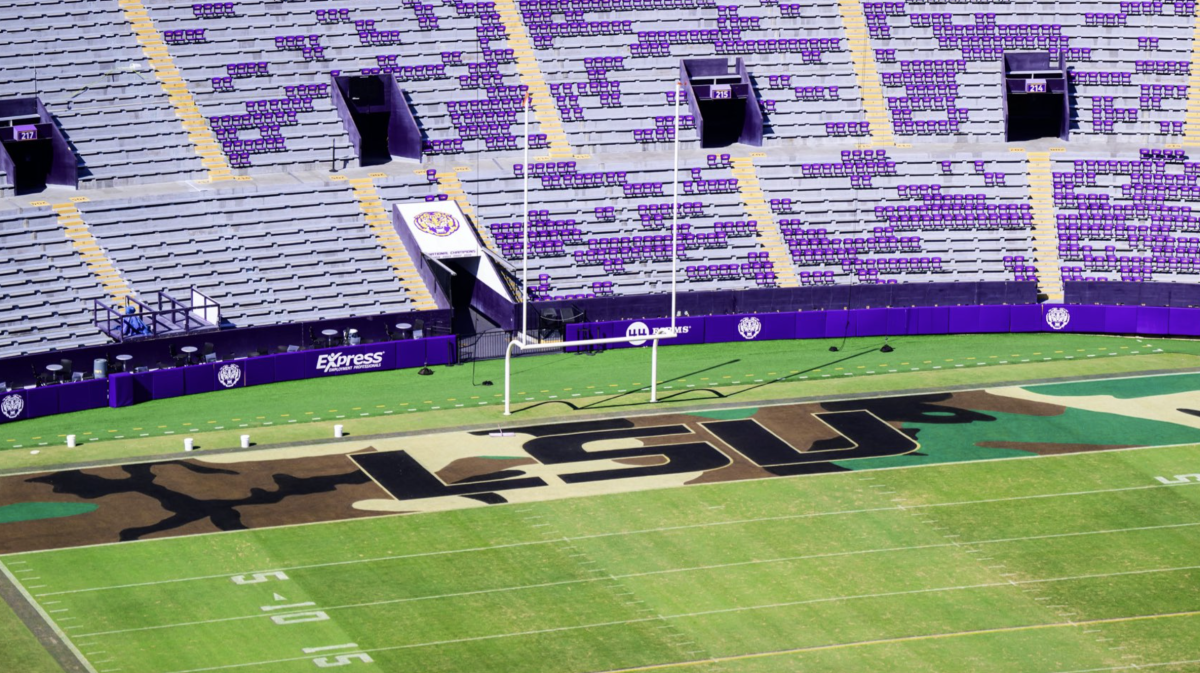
(881, 163)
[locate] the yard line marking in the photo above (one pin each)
(810, 601)
(643, 531)
(710, 660)
(314, 650)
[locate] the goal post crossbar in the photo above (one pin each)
(653, 338)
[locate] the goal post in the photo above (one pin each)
(654, 337)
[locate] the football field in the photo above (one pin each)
(1081, 562)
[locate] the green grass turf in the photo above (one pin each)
(19, 650)
(1047, 564)
(543, 385)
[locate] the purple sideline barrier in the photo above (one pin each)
(1153, 320)
(1026, 318)
(126, 389)
(688, 330)
(920, 320)
(1184, 322)
(758, 327)
(16, 405)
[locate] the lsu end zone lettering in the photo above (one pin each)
(692, 446)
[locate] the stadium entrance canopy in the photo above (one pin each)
(460, 271)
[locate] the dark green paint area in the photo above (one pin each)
(1124, 389)
(958, 442)
(33, 511)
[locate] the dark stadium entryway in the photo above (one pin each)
(33, 152)
(375, 113)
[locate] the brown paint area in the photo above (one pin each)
(1050, 449)
(980, 400)
(642, 461)
(184, 498)
(466, 468)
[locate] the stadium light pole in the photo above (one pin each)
(525, 230)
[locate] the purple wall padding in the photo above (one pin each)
(897, 320)
(963, 320)
(143, 387)
(166, 383)
(41, 402)
(82, 395)
(1152, 320)
(260, 371)
(410, 354)
(120, 390)
(198, 379)
(47, 401)
(811, 324)
(1026, 318)
(1121, 319)
(1083, 319)
(871, 322)
(289, 367)
(929, 320)
(761, 327)
(441, 350)
(841, 324)
(1184, 322)
(995, 318)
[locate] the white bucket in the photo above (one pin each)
(70, 441)
(245, 441)
(187, 443)
(337, 431)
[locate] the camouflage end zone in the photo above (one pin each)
(442, 471)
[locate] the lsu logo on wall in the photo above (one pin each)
(641, 329)
(1058, 317)
(436, 224)
(749, 327)
(12, 406)
(333, 363)
(229, 375)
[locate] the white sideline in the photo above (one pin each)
(896, 508)
(704, 613)
(1134, 667)
(716, 566)
(58, 632)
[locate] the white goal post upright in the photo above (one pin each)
(523, 342)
